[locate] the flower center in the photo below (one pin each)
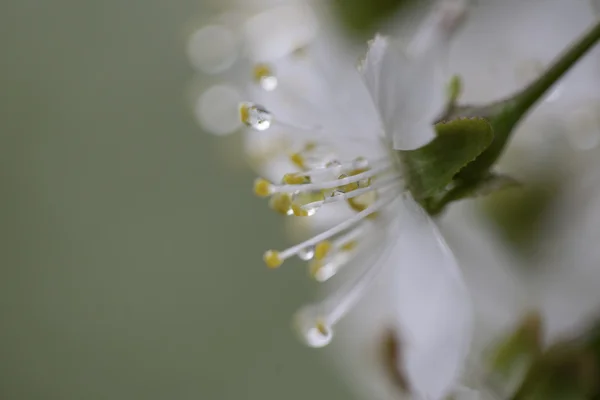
(319, 179)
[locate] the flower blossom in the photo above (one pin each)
(339, 161)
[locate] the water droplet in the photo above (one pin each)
(361, 163)
(323, 271)
(307, 253)
(318, 336)
(313, 330)
(303, 198)
(263, 75)
(363, 183)
(268, 83)
(255, 116)
(347, 187)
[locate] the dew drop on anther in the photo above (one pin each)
(318, 336)
(263, 75)
(313, 330)
(304, 199)
(255, 116)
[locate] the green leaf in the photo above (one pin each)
(516, 353)
(517, 214)
(566, 371)
(364, 18)
(429, 169)
(454, 90)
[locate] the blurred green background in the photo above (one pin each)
(131, 264)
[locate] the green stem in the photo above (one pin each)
(506, 114)
(528, 97)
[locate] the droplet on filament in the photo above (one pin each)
(255, 116)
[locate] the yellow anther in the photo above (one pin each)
(322, 327)
(349, 246)
(349, 187)
(362, 202)
(322, 249)
(314, 268)
(295, 179)
(299, 211)
(358, 171)
(262, 187)
(282, 203)
(372, 216)
(272, 259)
(261, 71)
(245, 113)
(297, 159)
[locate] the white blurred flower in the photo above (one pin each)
(343, 131)
(559, 283)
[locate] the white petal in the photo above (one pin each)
(278, 31)
(505, 44)
(432, 306)
(408, 92)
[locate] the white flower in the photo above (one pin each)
(344, 135)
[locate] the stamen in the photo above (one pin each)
(344, 249)
(298, 160)
(302, 197)
(314, 130)
(285, 254)
(259, 118)
(264, 75)
(379, 185)
(338, 305)
(322, 270)
(314, 330)
(272, 259)
(322, 249)
(363, 201)
(295, 179)
(315, 322)
(262, 187)
(255, 116)
(337, 166)
(345, 242)
(282, 203)
(331, 184)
